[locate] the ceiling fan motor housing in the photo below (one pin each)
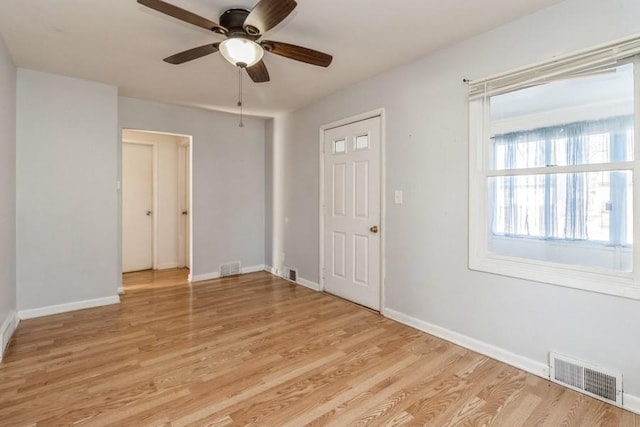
(233, 20)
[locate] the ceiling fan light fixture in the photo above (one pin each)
(241, 52)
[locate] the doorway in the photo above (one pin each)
(156, 201)
(351, 204)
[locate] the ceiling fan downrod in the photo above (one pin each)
(241, 124)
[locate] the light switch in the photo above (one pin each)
(398, 197)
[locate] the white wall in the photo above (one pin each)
(67, 147)
(7, 187)
(228, 179)
(167, 214)
(427, 279)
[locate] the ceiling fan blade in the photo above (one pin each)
(191, 54)
(267, 14)
(258, 72)
(183, 15)
(297, 53)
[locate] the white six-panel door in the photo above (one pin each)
(351, 210)
(137, 205)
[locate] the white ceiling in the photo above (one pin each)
(122, 43)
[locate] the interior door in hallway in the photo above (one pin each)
(351, 209)
(137, 211)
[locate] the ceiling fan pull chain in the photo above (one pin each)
(240, 95)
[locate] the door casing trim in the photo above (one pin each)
(189, 144)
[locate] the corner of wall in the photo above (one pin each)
(7, 329)
(8, 139)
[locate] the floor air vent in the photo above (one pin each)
(230, 269)
(587, 379)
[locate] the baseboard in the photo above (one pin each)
(631, 403)
(203, 277)
(301, 281)
(254, 269)
(167, 266)
(120, 290)
(7, 329)
(271, 270)
(216, 275)
(64, 308)
(520, 362)
(308, 284)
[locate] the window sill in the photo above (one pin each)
(577, 277)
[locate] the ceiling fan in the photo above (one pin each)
(243, 28)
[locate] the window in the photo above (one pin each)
(552, 169)
(361, 142)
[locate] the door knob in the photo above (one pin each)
(184, 212)
(374, 229)
(148, 213)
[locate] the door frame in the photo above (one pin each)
(380, 112)
(184, 170)
(189, 177)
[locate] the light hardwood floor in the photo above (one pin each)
(257, 350)
(154, 279)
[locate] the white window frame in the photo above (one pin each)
(624, 284)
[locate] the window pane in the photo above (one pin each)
(361, 142)
(519, 205)
(519, 153)
(592, 206)
(590, 215)
(577, 121)
(339, 146)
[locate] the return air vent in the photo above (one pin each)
(230, 269)
(585, 378)
(291, 273)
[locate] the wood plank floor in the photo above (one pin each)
(154, 279)
(257, 350)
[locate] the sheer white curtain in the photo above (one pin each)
(557, 206)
